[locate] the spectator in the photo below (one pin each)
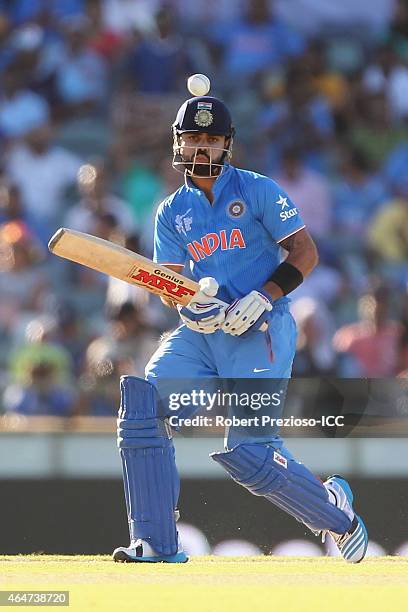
(81, 77)
(21, 11)
(369, 347)
(309, 190)
(24, 46)
(141, 186)
(71, 332)
(302, 119)
(36, 53)
(103, 39)
(388, 233)
(396, 164)
(124, 16)
(403, 339)
(257, 42)
(93, 185)
(12, 210)
(358, 194)
(328, 83)
(4, 24)
(389, 76)
(40, 373)
(41, 395)
(398, 30)
(325, 285)
(374, 133)
(123, 350)
(128, 337)
(24, 282)
(212, 15)
(354, 16)
(315, 355)
(42, 172)
(159, 61)
(21, 110)
(98, 387)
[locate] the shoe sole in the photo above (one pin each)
(121, 557)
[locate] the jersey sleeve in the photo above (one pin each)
(168, 248)
(276, 210)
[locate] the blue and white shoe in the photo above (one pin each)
(141, 552)
(352, 544)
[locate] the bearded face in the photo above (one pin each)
(201, 162)
(201, 154)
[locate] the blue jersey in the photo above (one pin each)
(235, 239)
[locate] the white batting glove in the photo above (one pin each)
(247, 315)
(204, 313)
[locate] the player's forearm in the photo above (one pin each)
(273, 290)
(302, 251)
(302, 259)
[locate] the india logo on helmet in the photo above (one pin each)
(203, 118)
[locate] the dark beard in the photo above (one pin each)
(204, 170)
(199, 169)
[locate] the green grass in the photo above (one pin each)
(215, 584)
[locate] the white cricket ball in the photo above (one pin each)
(198, 84)
(209, 286)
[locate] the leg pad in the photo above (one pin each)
(149, 471)
(265, 471)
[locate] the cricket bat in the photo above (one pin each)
(116, 261)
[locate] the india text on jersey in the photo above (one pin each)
(205, 247)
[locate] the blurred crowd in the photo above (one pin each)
(89, 88)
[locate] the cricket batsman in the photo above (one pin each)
(229, 225)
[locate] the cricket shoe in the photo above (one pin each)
(352, 544)
(141, 552)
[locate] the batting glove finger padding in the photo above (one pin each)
(243, 314)
(204, 313)
(203, 318)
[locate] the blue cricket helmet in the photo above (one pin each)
(204, 114)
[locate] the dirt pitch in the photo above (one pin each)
(215, 584)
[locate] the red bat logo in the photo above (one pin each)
(172, 287)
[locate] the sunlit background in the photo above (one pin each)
(318, 92)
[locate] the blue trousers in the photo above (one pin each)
(186, 354)
(268, 354)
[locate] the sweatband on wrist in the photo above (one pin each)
(287, 277)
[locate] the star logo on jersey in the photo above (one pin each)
(282, 202)
(183, 223)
